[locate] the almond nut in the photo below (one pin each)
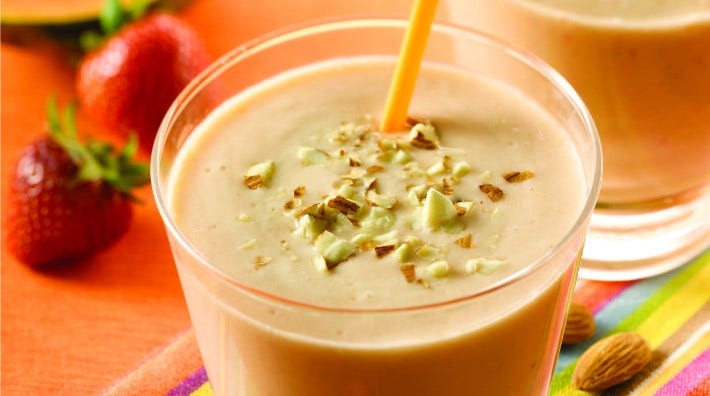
(579, 326)
(610, 361)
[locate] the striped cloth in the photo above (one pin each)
(672, 311)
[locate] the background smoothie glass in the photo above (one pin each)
(501, 340)
(643, 69)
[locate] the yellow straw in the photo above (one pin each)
(410, 58)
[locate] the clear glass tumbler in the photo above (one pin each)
(643, 70)
(503, 340)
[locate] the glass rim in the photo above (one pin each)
(349, 23)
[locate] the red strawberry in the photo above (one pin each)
(130, 80)
(68, 201)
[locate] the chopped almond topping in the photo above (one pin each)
(446, 188)
(261, 261)
(310, 209)
(382, 251)
(299, 191)
(446, 161)
(460, 210)
(494, 193)
(517, 177)
(293, 204)
(354, 162)
(253, 182)
(408, 271)
(424, 283)
(464, 241)
(423, 143)
(343, 205)
(369, 245)
(374, 169)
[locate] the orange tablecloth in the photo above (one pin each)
(117, 323)
(76, 330)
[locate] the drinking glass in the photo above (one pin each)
(502, 340)
(643, 70)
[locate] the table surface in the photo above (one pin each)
(83, 329)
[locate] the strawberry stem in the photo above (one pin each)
(96, 160)
(113, 16)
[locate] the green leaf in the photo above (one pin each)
(139, 8)
(90, 40)
(97, 161)
(112, 16)
(53, 115)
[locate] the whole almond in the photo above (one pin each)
(610, 361)
(579, 326)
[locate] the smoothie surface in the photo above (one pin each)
(289, 188)
(625, 11)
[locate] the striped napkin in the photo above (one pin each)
(672, 311)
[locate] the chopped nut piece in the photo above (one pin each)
(453, 226)
(352, 193)
(320, 264)
(374, 169)
(436, 169)
(381, 200)
(424, 283)
(428, 253)
(421, 142)
(438, 269)
(310, 227)
(261, 261)
(494, 193)
(387, 144)
(401, 157)
(463, 208)
(404, 252)
(446, 187)
(310, 209)
(312, 156)
(517, 177)
(438, 209)
(464, 241)
(413, 198)
(248, 244)
(361, 239)
(343, 205)
(390, 238)
(299, 191)
(483, 265)
(369, 245)
(409, 272)
(354, 162)
(378, 220)
(259, 174)
(369, 182)
(423, 136)
(382, 251)
(461, 168)
(293, 204)
(253, 182)
(333, 249)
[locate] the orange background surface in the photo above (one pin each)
(76, 330)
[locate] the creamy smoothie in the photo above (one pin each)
(290, 190)
(641, 66)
